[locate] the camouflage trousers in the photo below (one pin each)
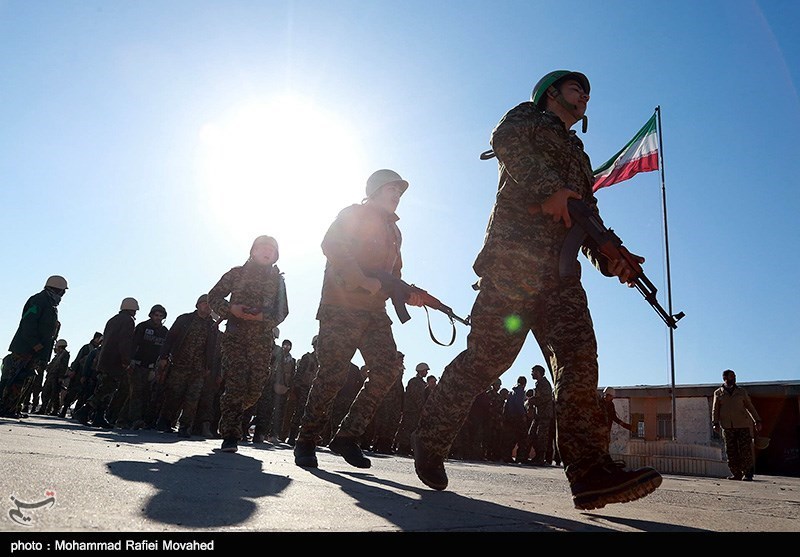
(182, 389)
(138, 385)
(108, 383)
(341, 332)
(295, 408)
(739, 448)
(18, 374)
(540, 436)
(559, 319)
(387, 418)
(408, 423)
(245, 366)
(51, 393)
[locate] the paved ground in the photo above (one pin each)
(57, 476)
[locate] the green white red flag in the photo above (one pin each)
(639, 155)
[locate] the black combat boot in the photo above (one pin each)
(230, 445)
(348, 448)
(429, 469)
(305, 453)
(82, 414)
(608, 482)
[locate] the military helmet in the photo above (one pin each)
(608, 391)
(422, 366)
(61, 342)
(553, 79)
(57, 281)
(383, 177)
(129, 303)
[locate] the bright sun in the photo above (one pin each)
(283, 168)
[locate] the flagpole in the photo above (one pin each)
(669, 280)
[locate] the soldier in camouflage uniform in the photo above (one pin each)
(77, 382)
(412, 408)
(387, 418)
(257, 305)
(301, 384)
(541, 165)
(56, 371)
(364, 239)
(189, 351)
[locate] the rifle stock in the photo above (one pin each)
(587, 223)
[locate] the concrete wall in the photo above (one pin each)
(694, 425)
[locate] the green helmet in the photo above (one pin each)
(553, 78)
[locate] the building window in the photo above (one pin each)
(637, 423)
(664, 426)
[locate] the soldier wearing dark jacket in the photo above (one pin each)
(113, 361)
(541, 165)
(31, 346)
(189, 351)
(148, 338)
(364, 239)
(258, 304)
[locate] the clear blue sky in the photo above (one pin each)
(143, 145)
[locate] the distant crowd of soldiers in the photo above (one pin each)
(173, 383)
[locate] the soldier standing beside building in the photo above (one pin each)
(113, 361)
(733, 411)
(31, 345)
(541, 165)
(258, 304)
(364, 239)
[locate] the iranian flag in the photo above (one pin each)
(639, 155)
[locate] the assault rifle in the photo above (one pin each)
(586, 223)
(399, 291)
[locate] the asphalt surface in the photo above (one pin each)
(60, 479)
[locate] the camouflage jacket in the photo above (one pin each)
(536, 156)
(363, 238)
(254, 286)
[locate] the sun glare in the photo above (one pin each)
(283, 168)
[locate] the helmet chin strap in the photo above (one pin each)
(571, 108)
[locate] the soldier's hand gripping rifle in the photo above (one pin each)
(399, 291)
(587, 224)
